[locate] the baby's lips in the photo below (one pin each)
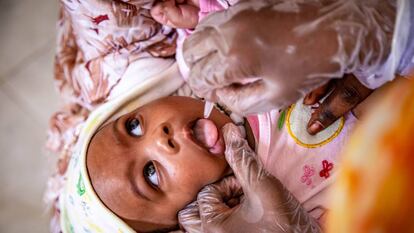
(218, 148)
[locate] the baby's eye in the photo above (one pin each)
(150, 174)
(133, 127)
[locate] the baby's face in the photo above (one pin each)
(146, 165)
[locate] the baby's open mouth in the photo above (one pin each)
(207, 134)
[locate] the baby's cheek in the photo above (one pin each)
(212, 173)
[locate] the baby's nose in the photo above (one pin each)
(166, 140)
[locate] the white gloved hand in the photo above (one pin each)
(266, 54)
(264, 205)
(189, 218)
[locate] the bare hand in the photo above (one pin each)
(344, 95)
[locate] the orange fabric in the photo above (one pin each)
(375, 192)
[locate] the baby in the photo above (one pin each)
(134, 172)
(156, 159)
(137, 167)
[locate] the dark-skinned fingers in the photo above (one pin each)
(347, 94)
(314, 96)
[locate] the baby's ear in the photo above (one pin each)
(175, 15)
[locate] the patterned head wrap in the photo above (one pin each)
(81, 208)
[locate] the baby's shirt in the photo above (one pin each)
(305, 164)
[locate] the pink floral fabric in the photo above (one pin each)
(97, 41)
(306, 169)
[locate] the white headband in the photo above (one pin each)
(81, 209)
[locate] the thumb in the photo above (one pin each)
(212, 198)
(189, 218)
(241, 158)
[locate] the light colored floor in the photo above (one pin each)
(27, 99)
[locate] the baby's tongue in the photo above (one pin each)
(206, 132)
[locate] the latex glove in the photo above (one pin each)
(189, 218)
(266, 205)
(266, 54)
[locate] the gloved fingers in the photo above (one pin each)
(200, 44)
(206, 76)
(205, 53)
(198, 81)
(243, 98)
(189, 218)
(347, 94)
(241, 158)
(316, 95)
(212, 200)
